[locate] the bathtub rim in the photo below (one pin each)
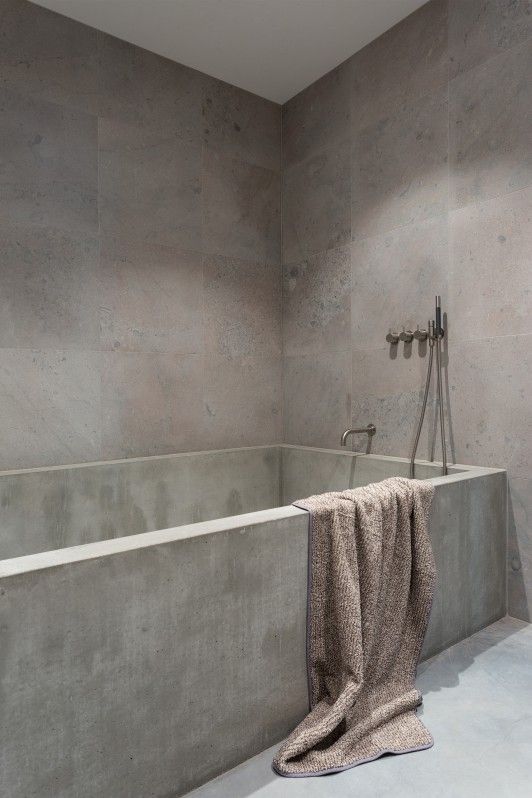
(147, 458)
(14, 566)
(453, 468)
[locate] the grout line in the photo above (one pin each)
(317, 253)
(259, 354)
(487, 200)
(384, 232)
(431, 219)
(281, 277)
(101, 366)
(452, 344)
(527, 41)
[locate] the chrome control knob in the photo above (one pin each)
(421, 335)
(392, 337)
(406, 336)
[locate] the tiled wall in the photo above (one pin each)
(140, 282)
(407, 172)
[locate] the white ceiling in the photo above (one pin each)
(273, 48)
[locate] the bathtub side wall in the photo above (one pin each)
(48, 509)
(151, 671)
(468, 532)
(467, 525)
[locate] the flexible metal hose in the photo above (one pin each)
(440, 403)
(422, 416)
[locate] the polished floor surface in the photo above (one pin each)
(478, 706)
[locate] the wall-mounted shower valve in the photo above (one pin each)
(421, 335)
(406, 336)
(392, 337)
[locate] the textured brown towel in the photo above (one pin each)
(371, 580)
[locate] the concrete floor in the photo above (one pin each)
(478, 706)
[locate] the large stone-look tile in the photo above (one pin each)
(151, 404)
(520, 549)
(387, 391)
(48, 56)
(50, 407)
(479, 30)
(241, 209)
(395, 277)
(242, 307)
(242, 125)
(490, 123)
(490, 288)
(317, 398)
(407, 62)
(400, 167)
(316, 203)
(242, 400)
(70, 82)
(317, 117)
(29, 32)
(49, 166)
(144, 89)
(316, 303)
(51, 288)
(150, 186)
(153, 299)
(490, 383)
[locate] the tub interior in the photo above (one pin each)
(46, 509)
(306, 471)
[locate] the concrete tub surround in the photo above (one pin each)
(150, 661)
(148, 671)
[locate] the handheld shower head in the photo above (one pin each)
(439, 328)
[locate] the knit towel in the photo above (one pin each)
(371, 582)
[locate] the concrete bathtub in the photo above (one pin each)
(142, 663)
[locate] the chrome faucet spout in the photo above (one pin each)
(370, 430)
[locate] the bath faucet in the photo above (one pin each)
(370, 430)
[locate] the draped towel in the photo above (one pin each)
(371, 582)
